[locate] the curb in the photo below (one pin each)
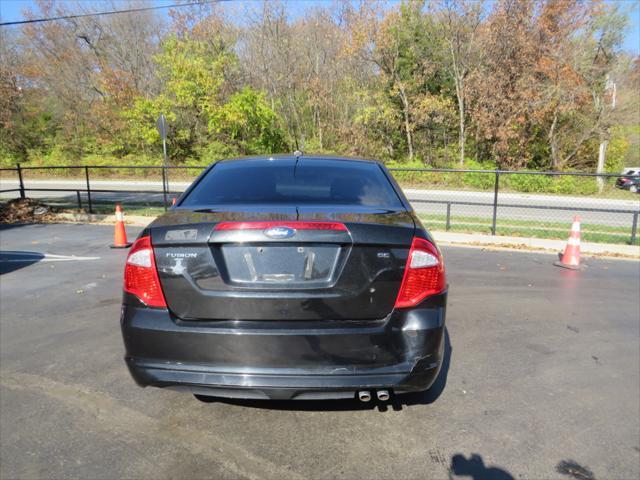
(133, 220)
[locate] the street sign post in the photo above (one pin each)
(161, 124)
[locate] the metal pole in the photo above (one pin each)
(164, 189)
(634, 228)
(495, 204)
(448, 225)
(86, 175)
(166, 161)
(19, 170)
(79, 199)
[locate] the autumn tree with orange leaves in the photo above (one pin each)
(533, 84)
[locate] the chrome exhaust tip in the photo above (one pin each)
(383, 395)
(364, 396)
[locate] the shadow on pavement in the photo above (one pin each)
(9, 226)
(11, 260)
(474, 468)
(396, 403)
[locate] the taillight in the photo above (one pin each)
(140, 274)
(295, 224)
(424, 274)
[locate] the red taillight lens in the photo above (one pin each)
(141, 276)
(424, 274)
(298, 225)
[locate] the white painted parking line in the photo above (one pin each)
(43, 257)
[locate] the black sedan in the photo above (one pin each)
(630, 180)
(286, 278)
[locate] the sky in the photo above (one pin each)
(11, 10)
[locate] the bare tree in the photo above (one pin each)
(460, 21)
(271, 59)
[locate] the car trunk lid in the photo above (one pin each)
(227, 264)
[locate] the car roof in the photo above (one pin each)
(301, 157)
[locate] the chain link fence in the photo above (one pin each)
(495, 202)
(524, 204)
(145, 189)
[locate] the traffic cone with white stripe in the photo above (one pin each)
(571, 256)
(120, 234)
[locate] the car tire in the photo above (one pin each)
(204, 398)
(634, 189)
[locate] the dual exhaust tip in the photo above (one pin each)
(365, 395)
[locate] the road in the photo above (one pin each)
(422, 201)
(541, 377)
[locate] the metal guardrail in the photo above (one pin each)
(494, 205)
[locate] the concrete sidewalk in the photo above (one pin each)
(525, 243)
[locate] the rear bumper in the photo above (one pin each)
(286, 359)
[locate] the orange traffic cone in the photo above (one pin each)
(571, 256)
(120, 235)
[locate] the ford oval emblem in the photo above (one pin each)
(280, 232)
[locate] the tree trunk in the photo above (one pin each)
(602, 155)
(462, 129)
(319, 126)
(407, 122)
(477, 145)
(552, 142)
(458, 77)
(460, 97)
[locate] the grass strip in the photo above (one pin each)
(538, 230)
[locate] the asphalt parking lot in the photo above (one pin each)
(541, 380)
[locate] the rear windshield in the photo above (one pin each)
(281, 181)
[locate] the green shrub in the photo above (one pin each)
(56, 156)
(616, 151)
(8, 159)
(528, 183)
(312, 147)
(410, 177)
(446, 157)
(212, 152)
(561, 184)
(482, 181)
(569, 184)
